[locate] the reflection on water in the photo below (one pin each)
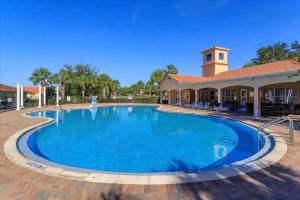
(57, 117)
(220, 151)
(129, 109)
(93, 112)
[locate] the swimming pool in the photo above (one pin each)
(138, 139)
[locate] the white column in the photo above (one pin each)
(40, 96)
(18, 96)
(45, 95)
(196, 97)
(219, 95)
(22, 96)
(57, 96)
(257, 110)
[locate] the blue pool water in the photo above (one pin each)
(142, 140)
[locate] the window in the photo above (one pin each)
(221, 56)
(230, 95)
(212, 95)
(281, 95)
(208, 57)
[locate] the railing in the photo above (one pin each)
(58, 105)
(278, 121)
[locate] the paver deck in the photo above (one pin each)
(280, 181)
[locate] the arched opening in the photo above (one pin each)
(187, 96)
(208, 95)
(164, 97)
(280, 99)
(238, 96)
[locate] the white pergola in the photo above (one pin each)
(20, 96)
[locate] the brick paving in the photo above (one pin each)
(280, 181)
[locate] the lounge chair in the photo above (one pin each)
(206, 106)
(177, 104)
(225, 108)
(242, 109)
(216, 107)
(2, 107)
(13, 105)
(192, 105)
(199, 105)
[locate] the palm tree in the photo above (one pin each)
(157, 76)
(105, 84)
(171, 69)
(82, 75)
(149, 86)
(115, 84)
(40, 76)
(63, 77)
(140, 86)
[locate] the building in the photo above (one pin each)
(271, 86)
(7, 94)
(32, 92)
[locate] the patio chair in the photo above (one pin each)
(13, 105)
(177, 104)
(225, 108)
(199, 105)
(242, 109)
(206, 106)
(2, 107)
(216, 107)
(192, 105)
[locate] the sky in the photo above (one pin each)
(128, 39)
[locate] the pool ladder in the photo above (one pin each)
(60, 108)
(278, 121)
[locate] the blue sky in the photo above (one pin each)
(129, 39)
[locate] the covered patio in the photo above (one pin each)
(280, 99)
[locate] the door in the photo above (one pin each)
(243, 96)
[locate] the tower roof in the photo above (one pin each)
(215, 47)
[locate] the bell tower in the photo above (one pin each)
(215, 61)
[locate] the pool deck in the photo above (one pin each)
(279, 181)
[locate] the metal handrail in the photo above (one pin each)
(59, 106)
(277, 121)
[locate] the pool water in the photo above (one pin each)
(139, 139)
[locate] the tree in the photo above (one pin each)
(276, 52)
(295, 51)
(171, 69)
(157, 76)
(115, 85)
(63, 77)
(149, 86)
(83, 73)
(104, 81)
(138, 88)
(40, 76)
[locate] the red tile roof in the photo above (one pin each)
(264, 69)
(187, 78)
(33, 89)
(7, 88)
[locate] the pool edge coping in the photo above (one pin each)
(12, 153)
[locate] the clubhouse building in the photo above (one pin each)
(267, 89)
